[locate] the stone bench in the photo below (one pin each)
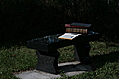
(47, 50)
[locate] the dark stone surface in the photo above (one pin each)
(81, 52)
(51, 42)
(47, 63)
(47, 50)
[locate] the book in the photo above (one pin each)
(77, 25)
(69, 36)
(67, 25)
(77, 30)
(73, 26)
(80, 25)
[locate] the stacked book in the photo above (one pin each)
(74, 29)
(77, 28)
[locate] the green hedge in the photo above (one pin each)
(34, 18)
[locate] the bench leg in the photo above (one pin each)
(47, 63)
(81, 52)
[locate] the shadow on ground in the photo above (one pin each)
(101, 60)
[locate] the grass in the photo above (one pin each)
(104, 55)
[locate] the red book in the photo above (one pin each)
(77, 26)
(67, 25)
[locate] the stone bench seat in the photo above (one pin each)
(47, 49)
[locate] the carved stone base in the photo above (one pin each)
(81, 52)
(47, 63)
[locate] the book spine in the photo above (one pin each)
(76, 30)
(67, 25)
(77, 26)
(73, 26)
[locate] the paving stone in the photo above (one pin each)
(69, 69)
(34, 74)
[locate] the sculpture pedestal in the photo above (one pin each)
(47, 50)
(47, 63)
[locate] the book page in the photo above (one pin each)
(69, 36)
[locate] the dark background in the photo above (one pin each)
(21, 20)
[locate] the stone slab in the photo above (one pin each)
(68, 68)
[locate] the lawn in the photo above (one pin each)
(104, 54)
